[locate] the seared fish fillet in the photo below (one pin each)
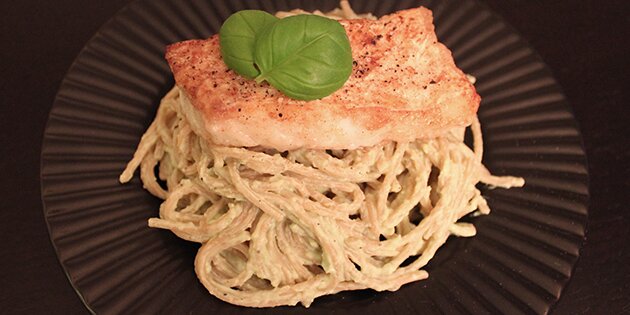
(404, 85)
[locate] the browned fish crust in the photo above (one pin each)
(404, 85)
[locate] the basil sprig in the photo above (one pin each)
(237, 38)
(306, 57)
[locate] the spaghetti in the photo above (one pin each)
(278, 228)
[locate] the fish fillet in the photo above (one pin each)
(404, 85)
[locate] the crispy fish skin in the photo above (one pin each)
(404, 85)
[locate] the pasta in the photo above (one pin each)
(281, 228)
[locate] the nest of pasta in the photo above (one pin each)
(278, 228)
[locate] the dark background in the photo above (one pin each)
(585, 43)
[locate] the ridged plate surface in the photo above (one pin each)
(517, 264)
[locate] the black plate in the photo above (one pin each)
(518, 263)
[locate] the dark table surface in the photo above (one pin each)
(585, 43)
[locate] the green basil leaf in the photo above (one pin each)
(237, 37)
(306, 57)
